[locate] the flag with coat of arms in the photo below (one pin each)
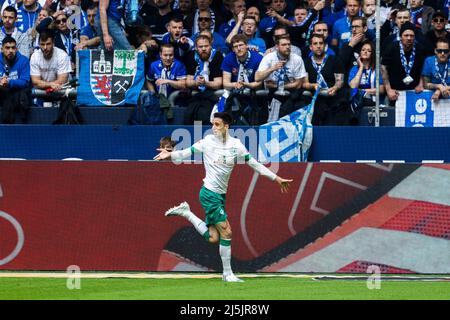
(110, 78)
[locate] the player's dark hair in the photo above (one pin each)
(225, 116)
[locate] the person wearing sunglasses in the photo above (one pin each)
(65, 38)
(204, 25)
(402, 63)
(435, 71)
(438, 31)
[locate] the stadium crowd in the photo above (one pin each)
(269, 56)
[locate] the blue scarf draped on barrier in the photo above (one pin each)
(289, 138)
(110, 78)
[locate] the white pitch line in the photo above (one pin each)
(98, 275)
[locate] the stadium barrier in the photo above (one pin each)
(104, 142)
(110, 216)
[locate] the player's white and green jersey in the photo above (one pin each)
(219, 159)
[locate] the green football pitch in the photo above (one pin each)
(211, 287)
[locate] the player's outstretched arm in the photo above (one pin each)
(262, 170)
(284, 183)
(162, 155)
(177, 155)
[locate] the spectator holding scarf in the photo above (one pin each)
(204, 76)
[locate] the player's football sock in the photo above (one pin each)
(225, 255)
(199, 225)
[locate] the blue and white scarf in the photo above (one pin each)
(203, 67)
(320, 79)
(407, 66)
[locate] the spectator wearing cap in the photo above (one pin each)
(421, 15)
(391, 27)
(403, 15)
(401, 64)
(435, 71)
(14, 81)
(438, 28)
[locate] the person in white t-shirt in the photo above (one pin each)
(49, 66)
(220, 153)
(281, 70)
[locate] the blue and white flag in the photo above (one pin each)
(418, 110)
(220, 105)
(289, 138)
(110, 78)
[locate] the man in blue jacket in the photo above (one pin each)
(14, 82)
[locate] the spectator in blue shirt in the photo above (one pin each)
(236, 7)
(175, 37)
(27, 14)
(89, 38)
(435, 71)
(248, 28)
(14, 81)
(362, 78)
(342, 30)
(166, 74)
(275, 14)
(239, 67)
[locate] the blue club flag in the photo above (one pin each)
(110, 78)
(289, 138)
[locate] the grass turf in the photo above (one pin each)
(276, 288)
